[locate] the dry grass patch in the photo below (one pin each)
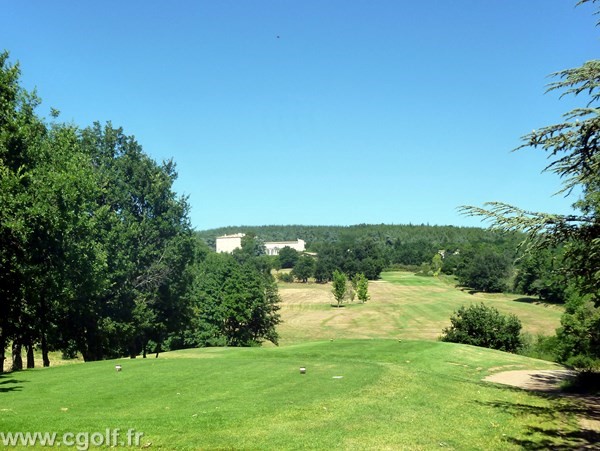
(402, 305)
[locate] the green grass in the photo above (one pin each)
(402, 305)
(408, 395)
(415, 394)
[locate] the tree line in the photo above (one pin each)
(480, 259)
(97, 254)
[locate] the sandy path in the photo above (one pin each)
(537, 380)
(549, 381)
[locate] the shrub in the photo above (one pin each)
(480, 325)
(579, 335)
(285, 277)
(539, 347)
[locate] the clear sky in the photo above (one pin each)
(327, 112)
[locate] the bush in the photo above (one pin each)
(285, 277)
(480, 325)
(540, 347)
(579, 335)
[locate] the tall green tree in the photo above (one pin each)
(574, 153)
(339, 286)
(46, 220)
(485, 271)
(288, 257)
(148, 239)
(235, 304)
(304, 269)
(362, 288)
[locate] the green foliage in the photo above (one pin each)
(385, 245)
(235, 304)
(436, 264)
(362, 287)
(540, 346)
(339, 286)
(285, 277)
(539, 274)
(350, 257)
(252, 245)
(480, 325)
(579, 335)
(95, 246)
(288, 257)
(574, 154)
(304, 269)
(485, 271)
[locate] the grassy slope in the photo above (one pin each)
(393, 395)
(413, 394)
(402, 305)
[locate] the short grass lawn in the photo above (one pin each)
(356, 394)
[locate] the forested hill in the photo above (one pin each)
(438, 237)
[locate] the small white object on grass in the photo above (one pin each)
(338, 377)
(118, 368)
(302, 370)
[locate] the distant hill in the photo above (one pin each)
(387, 235)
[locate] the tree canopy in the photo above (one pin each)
(97, 254)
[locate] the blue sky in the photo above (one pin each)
(316, 112)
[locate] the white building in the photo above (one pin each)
(273, 247)
(228, 243)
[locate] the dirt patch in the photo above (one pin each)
(550, 382)
(538, 380)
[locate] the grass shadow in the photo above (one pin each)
(468, 290)
(559, 436)
(536, 301)
(6, 385)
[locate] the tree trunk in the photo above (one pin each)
(133, 348)
(45, 359)
(43, 328)
(157, 349)
(17, 360)
(30, 357)
(2, 353)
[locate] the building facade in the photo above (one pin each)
(273, 247)
(228, 243)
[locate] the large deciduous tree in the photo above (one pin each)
(148, 242)
(94, 244)
(235, 304)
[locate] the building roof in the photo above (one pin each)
(235, 235)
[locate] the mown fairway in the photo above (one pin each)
(408, 395)
(364, 389)
(402, 305)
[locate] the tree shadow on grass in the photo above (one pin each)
(551, 430)
(537, 301)
(471, 291)
(7, 385)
